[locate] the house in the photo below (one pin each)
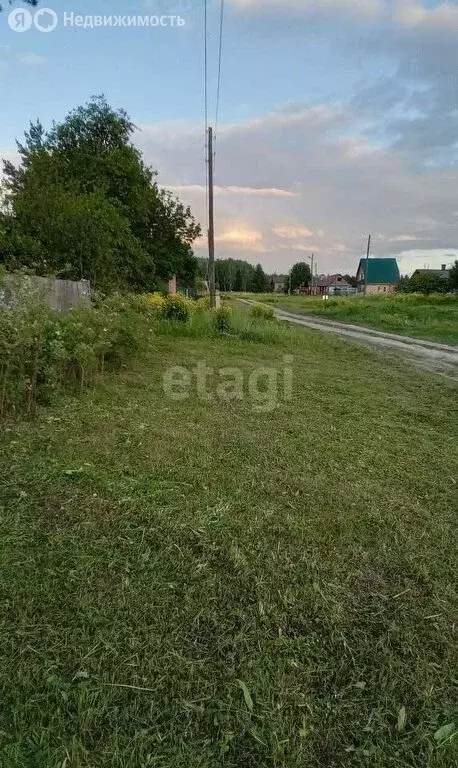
(382, 275)
(331, 285)
(443, 273)
(278, 283)
(327, 285)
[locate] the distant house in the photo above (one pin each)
(331, 285)
(327, 285)
(443, 273)
(278, 283)
(382, 275)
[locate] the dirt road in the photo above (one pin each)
(441, 358)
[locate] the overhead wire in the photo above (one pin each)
(206, 103)
(218, 98)
(220, 59)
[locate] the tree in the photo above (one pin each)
(238, 279)
(424, 282)
(34, 3)
(428, 283)
(301, 274)
(404, 285)
(260, 281)
(230, 274)
(351, 280)
(453, 278)
(82, 203)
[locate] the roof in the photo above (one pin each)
(329, 280)
(379, 271)
(442, 273)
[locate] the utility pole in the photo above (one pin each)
(211, 223)
(313, 256)
(367, 263)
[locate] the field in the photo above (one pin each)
(199, 582)
(425, 317)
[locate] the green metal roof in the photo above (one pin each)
(379, 271)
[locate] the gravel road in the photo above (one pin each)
(440, 358)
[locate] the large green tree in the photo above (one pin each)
(424, 282)
(301, 274)
(82, 203)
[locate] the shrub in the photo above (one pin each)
(203, 303)
(156, 302)
(222, 318)
(261, 312)
(177, 307)
(40, 350)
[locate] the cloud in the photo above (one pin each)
(277, 170)
(8, 56)
(403, 238)
(239, 234)
(413, 13)
(292, 233)
(231, 191)
(409, 13)
(409, 261)
(301, 247)
(371, 8)
(31, 59)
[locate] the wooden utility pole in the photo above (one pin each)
(367, 263)
(211, 222)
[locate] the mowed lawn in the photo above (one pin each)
(434, 318)
(195, 584)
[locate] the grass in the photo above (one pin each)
(196, 584)
(434, 318)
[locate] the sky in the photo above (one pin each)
(338, 118)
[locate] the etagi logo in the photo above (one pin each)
(21, 20)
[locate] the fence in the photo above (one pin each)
(60, 295)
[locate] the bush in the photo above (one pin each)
(41, 350)
(203, 303)
(222, 319)
(177, 307)
(156, 303)
(261, 312)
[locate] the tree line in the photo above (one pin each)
(236, 275)
(241, 276)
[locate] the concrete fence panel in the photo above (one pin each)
(60, 295)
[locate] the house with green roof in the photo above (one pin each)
(382, 275)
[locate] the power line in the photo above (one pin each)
(209, 146)
(206, 101)
(220, 57)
